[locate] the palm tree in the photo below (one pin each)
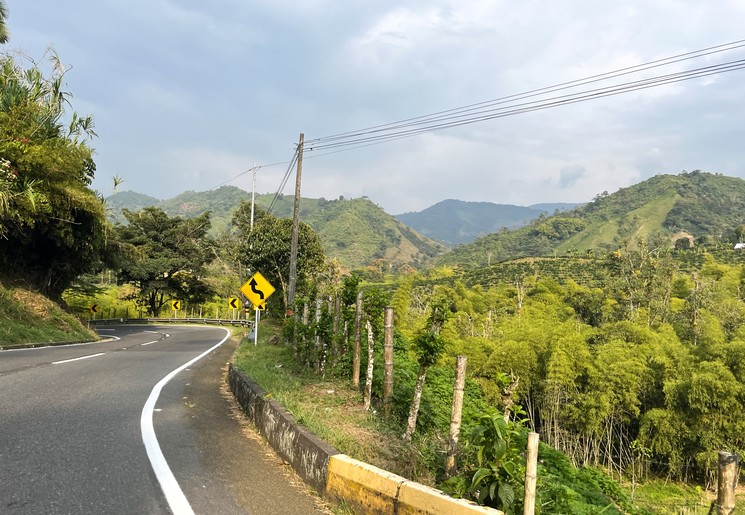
(3, 28)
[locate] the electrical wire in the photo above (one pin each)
(509, 106)
(448, 121)
(284, 179)
(537, 92)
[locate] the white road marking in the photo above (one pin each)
(152, 332)
(78, 359)
(47, 347)
(148, 343)
(171, 489)
(168, 335)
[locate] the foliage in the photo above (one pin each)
(164, 257)
(492, 464)
(266, 249)
(52, 225)
(27, 317)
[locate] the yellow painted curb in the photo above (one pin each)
(375, 491)
(417, 498)
(368, 487)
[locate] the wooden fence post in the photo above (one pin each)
(370, 363)
(455, 417)
(357, 331)
(388, 362)
(531, 474)
(727, 482)
(317, 346)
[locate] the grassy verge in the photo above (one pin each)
(331, 408)
(28, 317)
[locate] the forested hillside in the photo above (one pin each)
(698, 207)
(455, 221)
(356, 232)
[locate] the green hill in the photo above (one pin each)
(357, 232)
(455, 221)
(697, 206)
(127, 200)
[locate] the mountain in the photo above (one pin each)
(357, 232)
(455, 221)
(127, 200)
(697, 206)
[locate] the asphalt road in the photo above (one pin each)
(122, 427)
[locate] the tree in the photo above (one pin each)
(164, 257)
(429, 346)
(4, 36)
(266, 248)
(52, 225)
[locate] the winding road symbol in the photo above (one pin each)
(257, 289)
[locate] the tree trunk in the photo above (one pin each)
(414, 411)
(455, 416)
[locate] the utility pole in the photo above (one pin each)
(253, 197)
(295, 226)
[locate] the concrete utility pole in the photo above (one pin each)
(295, 226)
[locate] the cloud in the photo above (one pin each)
(187, 95)
(569, 175)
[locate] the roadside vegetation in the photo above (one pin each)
(29, 317)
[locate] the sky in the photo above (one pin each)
(189, 95)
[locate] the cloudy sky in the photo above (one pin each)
(188, 94)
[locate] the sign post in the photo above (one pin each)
(257, 290)
(234, 303)
(176, 305)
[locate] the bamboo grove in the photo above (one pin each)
(643, 375)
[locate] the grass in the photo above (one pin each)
(331, 408)
(28, 317)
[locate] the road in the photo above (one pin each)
(123, 426)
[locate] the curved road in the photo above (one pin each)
(100, 428)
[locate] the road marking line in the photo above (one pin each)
(78, 359)
(152, 332)
(148, 343)
(171, 489)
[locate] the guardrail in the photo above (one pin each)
(216, 321)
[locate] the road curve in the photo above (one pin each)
(71, 421)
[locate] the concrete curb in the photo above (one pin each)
(305, 452)
(335, 475)
(374, 490)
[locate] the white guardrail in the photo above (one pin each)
(216, 321)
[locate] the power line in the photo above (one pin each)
(509, 106)
(465, 118)
(284, 180)
(255, 167)
(535, 92)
